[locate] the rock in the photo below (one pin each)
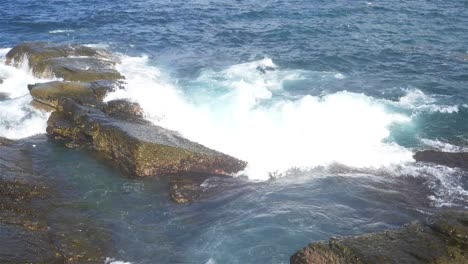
(50, 93)
(69, 62)
(137, 146)
(36, 52)
(42, 106)
(124, 109)
(77, 69)
(442, 239)
(449, 159)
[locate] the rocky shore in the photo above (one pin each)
(118, 132)
(116, 129)
(440, 239)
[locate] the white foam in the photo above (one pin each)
(445, 182)
(113, 261)
(60, 31)
(418, 101)
(18, 119)
(240, 111)
(443, 146)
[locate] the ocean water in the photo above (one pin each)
(326, 100)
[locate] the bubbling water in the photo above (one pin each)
(18, 119)
(242, 111)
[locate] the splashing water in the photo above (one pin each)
(244, 111)
(18, 119)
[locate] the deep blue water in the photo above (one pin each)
(382, 48)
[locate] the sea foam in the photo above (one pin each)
(18, 119)
(244, 111)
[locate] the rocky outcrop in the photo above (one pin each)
(137, 146)
(116, 129)
(124, 109)
(450, 159)
(441, 239)
(91, 93)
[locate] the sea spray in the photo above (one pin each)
(18, 119)
(242, 111)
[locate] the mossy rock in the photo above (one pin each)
(137, 146)
(50, 93)
(442, 239)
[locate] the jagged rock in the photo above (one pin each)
(50, 93)
(137, 146)
(449, 159)
(442, 239)
(123, 108)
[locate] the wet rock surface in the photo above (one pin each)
(139, 147)
(441, 239)
(450, 159)
(91, 93)
(124, 109)
(116, 129)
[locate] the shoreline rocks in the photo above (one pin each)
(139, 147)
(440, 239)
(115, 129)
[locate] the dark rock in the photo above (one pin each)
(449, 159)
(137, 146)
(77, 69)
(123, 108)
(36, 52)
(442, 239)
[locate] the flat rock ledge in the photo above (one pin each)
(117, 128)
(440, 239)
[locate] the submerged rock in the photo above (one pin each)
(28, 232)
(442, 239)
(450, 159)
(137, 146)
(185, 189)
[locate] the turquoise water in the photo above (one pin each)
(331, 98)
